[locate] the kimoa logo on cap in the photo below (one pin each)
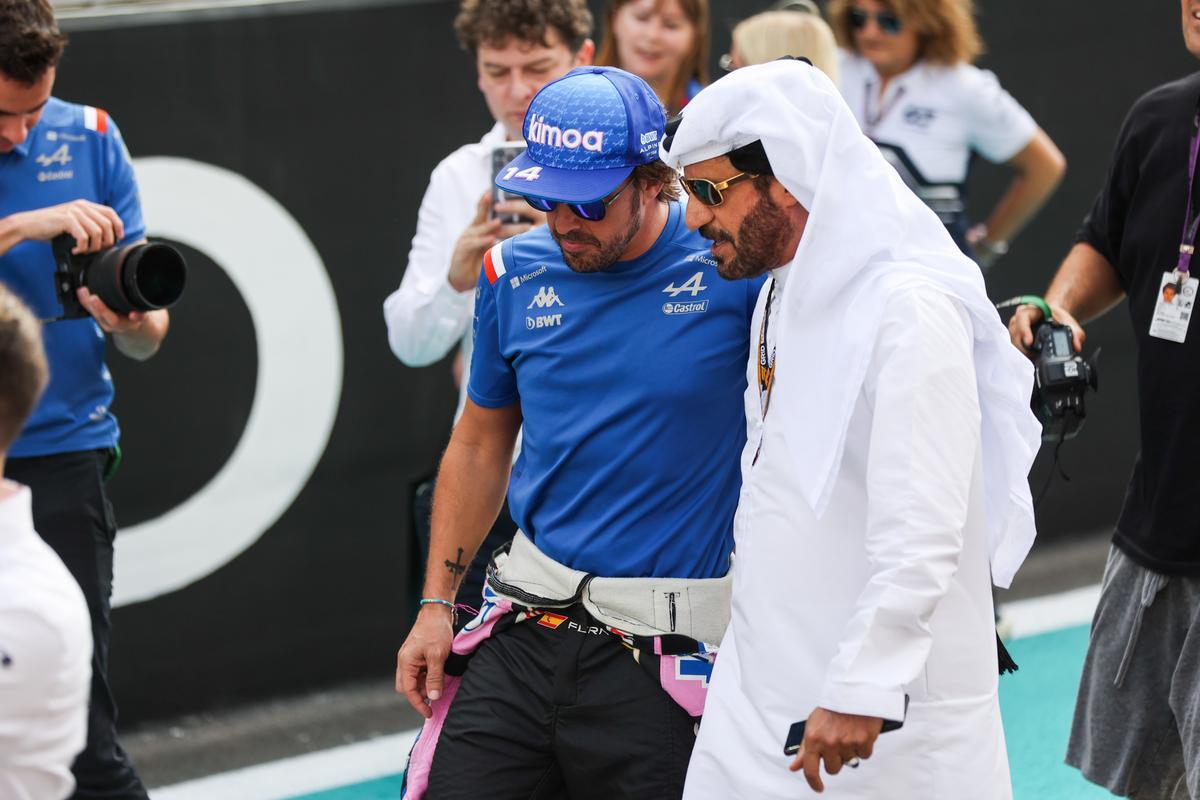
(571, 138)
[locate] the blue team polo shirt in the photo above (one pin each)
(74, 152)
(631, 386)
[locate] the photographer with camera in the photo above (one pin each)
(65, 170)
(1134, 730)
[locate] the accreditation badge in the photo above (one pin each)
(1173, 306)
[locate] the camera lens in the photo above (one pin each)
(141, 277)
(154, 276)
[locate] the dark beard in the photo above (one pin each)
(759, 245)
(608, 253)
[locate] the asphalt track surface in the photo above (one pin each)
(349, 743)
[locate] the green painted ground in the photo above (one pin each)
(383, 789)
(1037, 703)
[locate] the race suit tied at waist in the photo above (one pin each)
(696, 608)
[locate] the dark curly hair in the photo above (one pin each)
(30, 41)
(658, 172)
(494, 22)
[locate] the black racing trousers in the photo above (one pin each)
(551, 711)
(72, 514)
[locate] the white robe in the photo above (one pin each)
(887, 593)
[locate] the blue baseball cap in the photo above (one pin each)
(585, 133)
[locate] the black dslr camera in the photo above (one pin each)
(1061, 378)
(137, 277)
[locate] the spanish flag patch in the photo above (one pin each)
(552, 621)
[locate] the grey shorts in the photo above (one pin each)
(1137, 720)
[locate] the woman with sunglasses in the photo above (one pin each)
(663, 42)
(907, 75)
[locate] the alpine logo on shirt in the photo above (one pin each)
(60, 157)
(693, 286)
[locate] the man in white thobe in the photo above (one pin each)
(884, 476)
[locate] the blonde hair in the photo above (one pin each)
(771, 34)
(945, 28)
(694, 63)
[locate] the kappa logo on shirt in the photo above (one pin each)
(545, 298)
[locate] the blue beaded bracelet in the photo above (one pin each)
(425, 601)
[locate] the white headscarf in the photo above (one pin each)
(867, 236)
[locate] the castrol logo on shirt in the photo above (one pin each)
(572, 138)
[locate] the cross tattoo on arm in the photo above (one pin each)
(457, 568)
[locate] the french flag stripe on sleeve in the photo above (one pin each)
(493, 263)
(95, 119)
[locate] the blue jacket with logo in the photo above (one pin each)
(74, 152)
(631, 386)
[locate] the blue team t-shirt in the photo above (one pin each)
(74, 152)
(631, 387)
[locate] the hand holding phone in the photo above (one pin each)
(836, 739)
(510, 209)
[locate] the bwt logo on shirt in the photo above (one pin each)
(571, 138)
(543, 321)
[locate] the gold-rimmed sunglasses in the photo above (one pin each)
(709, 193)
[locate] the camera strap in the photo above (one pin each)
(1190, 223)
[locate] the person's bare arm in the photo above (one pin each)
(1039, 169)
(137, 334)
(470, 493)
(1084, 287)
(94, 226)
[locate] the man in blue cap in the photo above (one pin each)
(609, 334)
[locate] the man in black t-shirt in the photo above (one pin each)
(1137, 720)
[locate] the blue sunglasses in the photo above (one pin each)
(592, 211)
